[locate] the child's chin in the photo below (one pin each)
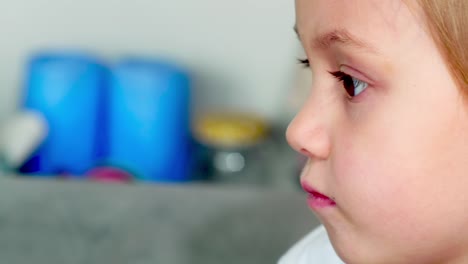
(350, 256)
(353, 250)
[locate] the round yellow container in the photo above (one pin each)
(230, 130)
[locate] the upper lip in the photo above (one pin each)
(311, 190)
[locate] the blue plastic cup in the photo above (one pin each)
(149, 120)
(69, 89)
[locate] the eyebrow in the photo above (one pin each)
(338, 36)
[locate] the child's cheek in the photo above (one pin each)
(371, 177)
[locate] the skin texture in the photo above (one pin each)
(395, 157)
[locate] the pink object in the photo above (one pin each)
(109, 175)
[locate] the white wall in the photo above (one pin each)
(241, 52)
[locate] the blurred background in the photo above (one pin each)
(149, 131)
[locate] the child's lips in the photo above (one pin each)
(317, 200)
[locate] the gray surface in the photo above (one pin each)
(68, 222)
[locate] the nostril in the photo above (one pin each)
(305, 152)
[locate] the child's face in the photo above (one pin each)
(395, 156)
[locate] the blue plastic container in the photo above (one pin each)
(69, 89)
(149, 120)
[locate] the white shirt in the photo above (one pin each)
(314, 248)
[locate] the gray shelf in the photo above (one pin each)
(48, 221)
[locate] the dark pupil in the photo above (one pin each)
(349, 85)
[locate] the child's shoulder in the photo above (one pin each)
(313, 248)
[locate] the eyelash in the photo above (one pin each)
(344, 78)
(304, 62)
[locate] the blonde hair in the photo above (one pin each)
(448, 24)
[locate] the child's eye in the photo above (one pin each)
(353, 86)
(304, 62)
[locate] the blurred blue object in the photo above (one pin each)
(69, 89)
(149, 120)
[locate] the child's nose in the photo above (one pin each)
(308, 135)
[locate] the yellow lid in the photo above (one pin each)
(230, 130)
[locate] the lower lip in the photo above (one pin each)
(317, 201)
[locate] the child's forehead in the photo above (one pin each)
(366, 20)
(351, 12)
